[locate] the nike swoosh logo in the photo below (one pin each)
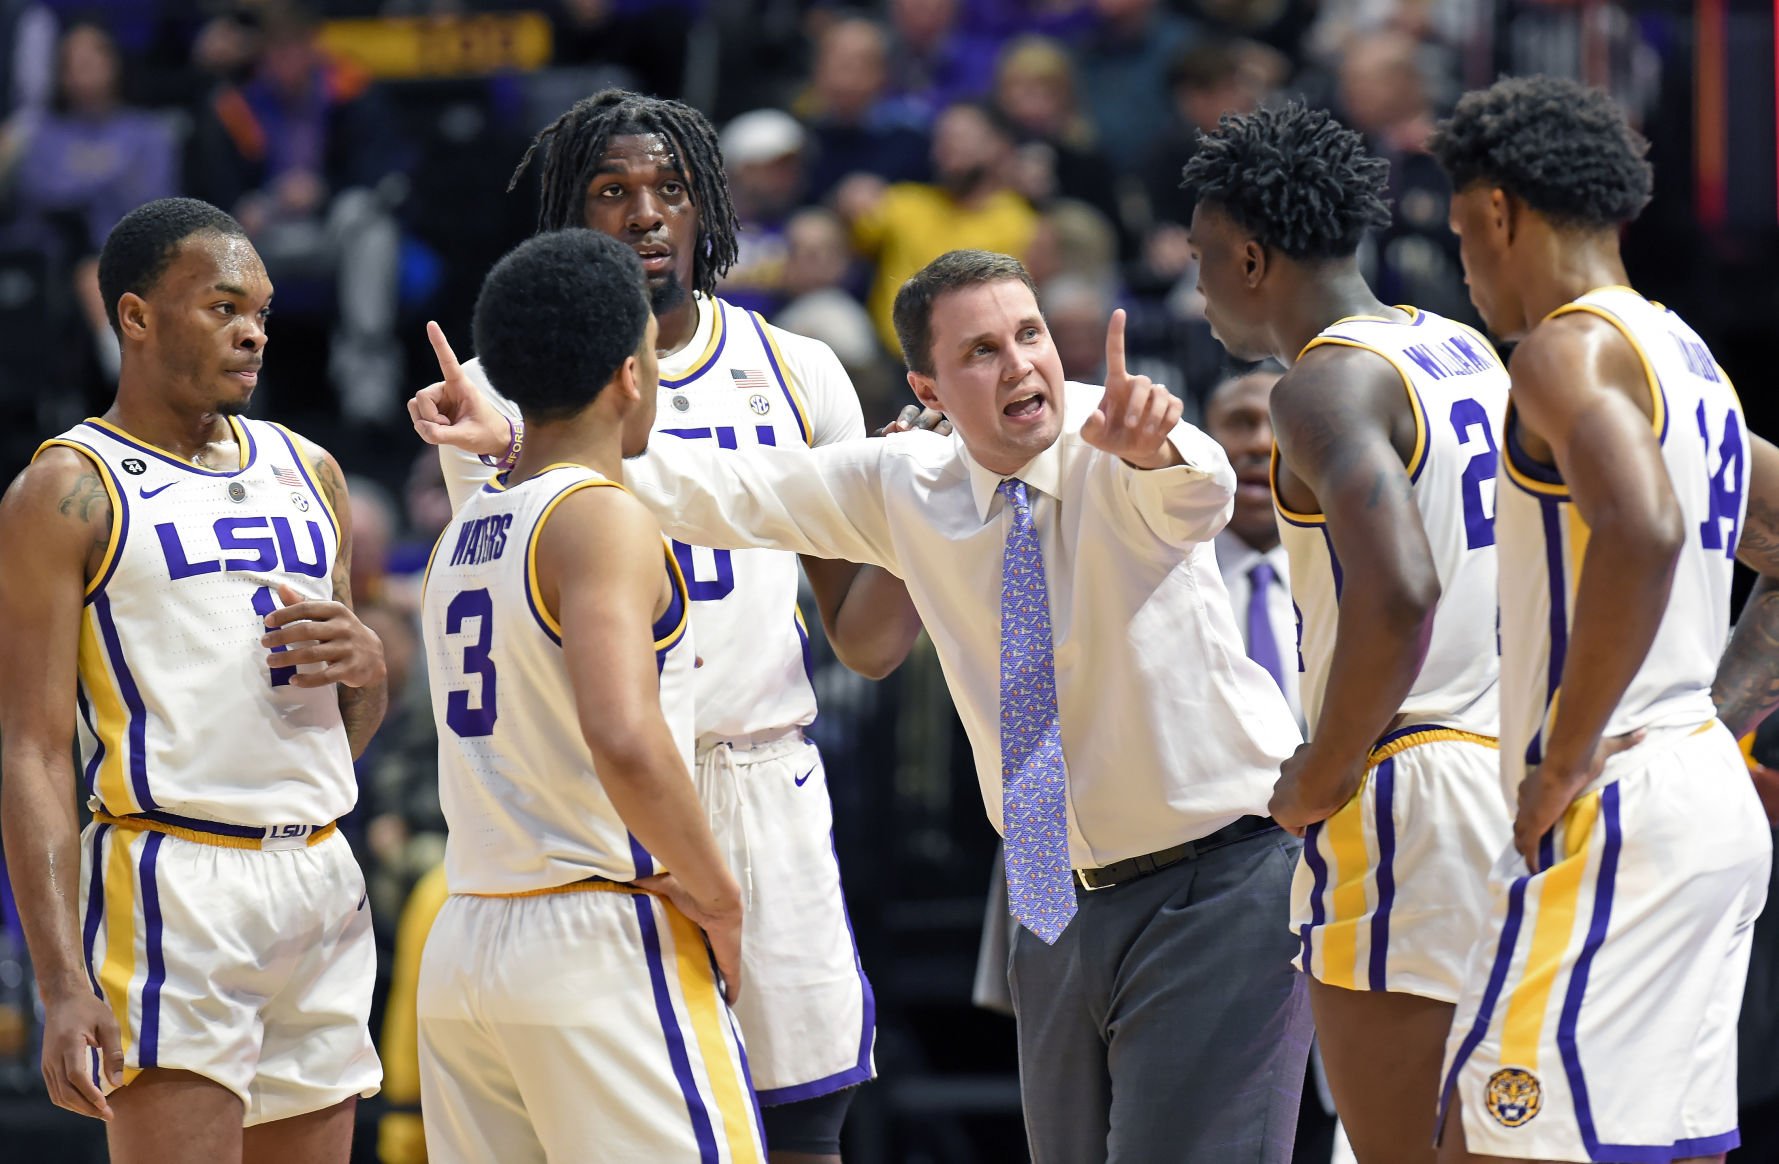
(147, 493)
(804, 779)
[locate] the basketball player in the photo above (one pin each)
(178, 596)
(1383, 476)
(648, 173)
(567, 1001)
(1598, 1019)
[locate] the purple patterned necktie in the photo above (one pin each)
(1034, 815)
(1263, 647)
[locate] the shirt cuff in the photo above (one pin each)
(1187, 502)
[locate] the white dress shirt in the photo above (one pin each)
(752, 680)
(1169, 731)
(1236, 559)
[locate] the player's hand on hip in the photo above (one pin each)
(454, 411)
(721, 926)
(1549, 789)
(327, 632)
(74, 1027)
(915, 417)
(1136, 414)
(1310, 790)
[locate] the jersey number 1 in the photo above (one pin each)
(263, 605)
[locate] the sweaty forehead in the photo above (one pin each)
(639, 153)
(207, 259)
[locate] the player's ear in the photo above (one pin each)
(132, 315)
(926, 390)
(627, 381)
(1253, 263)
(1505, 213)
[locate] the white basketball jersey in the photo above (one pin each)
(180, 712)
(516, 780)
(738, 390)
(1699, 422)
(744, 602)
(1457, 389)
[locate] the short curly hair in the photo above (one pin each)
(556, 319)
(1298, 179)
(144, 242)
(1559, 146)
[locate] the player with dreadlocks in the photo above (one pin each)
(1383, 479)
(648, 172)
(1642, 857)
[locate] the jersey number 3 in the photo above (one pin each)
(478, 720)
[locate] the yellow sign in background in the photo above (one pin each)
(450, 46)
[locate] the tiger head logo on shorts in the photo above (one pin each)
(1513, 1096)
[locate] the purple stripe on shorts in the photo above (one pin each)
(1578, 980)
(1510, 933)
(747, 1072)
(1656, 1154)
(149, 1053)
(95, 905)
(676, 1042)
(1385, 776)
(1319, 871)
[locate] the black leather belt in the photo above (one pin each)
(1131, 868)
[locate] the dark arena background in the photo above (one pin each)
(367, 148)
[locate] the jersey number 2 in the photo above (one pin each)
(1479, 474)
(467, 721)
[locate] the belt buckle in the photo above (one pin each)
(1081, 880)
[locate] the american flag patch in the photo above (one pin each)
(288, 477)
(750, 380)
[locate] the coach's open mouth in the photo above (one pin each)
(1025, 406)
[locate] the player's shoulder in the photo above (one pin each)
(58, 467)
(1571, 347)
(798, 348)
(64, 493)
(1329, 375)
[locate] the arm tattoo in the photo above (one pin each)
(87, 491)
(1747, 686)
(1759, 544)
(87, 503)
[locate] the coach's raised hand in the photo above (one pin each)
(454, 411)
(1135, 415)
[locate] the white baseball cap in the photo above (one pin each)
(762, 135)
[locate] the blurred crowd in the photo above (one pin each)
(859, 142)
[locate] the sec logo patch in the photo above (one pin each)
(1513, 1096)
(759, 404)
